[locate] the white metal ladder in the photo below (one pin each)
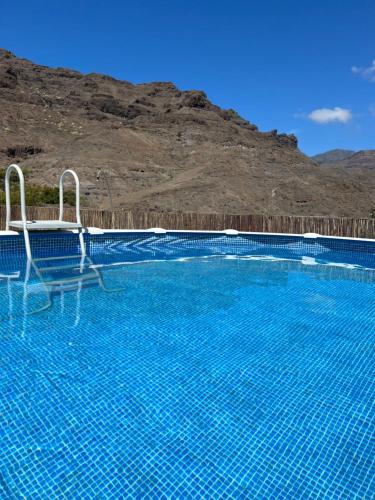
(27, 225)
(56, 273)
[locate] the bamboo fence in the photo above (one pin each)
(131, 219)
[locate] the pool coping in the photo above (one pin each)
(226, 232)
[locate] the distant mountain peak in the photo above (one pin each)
(332, 156)
(347, 158)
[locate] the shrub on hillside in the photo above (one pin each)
(39, 195)
(35, 195)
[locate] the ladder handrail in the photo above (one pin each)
(61, 195)
(9, 170)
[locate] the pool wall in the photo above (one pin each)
(111, 246)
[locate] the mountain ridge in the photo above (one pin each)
(161, 147)
(364, 158)
(332, 156)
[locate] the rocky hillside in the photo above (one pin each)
(161, 148)
(361, 159)
(332, 157)
(345, 158)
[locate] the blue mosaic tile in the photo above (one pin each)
(217, 367)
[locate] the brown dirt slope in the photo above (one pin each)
(162, 148)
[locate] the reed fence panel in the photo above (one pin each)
(134, 219)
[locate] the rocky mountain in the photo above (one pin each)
(332, 157)
(346, 158)
(160, 147)
(361, 159)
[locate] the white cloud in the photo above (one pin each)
(327, 115)
(368, 73)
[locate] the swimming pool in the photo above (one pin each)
(198, 365)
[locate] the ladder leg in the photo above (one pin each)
(82, 243)
(27, 242)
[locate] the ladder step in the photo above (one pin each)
(61, 268)
(77, 279)
(59, 257)
(39, 225)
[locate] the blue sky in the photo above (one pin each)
(298, 66)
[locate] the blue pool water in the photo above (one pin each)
(197, 366)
